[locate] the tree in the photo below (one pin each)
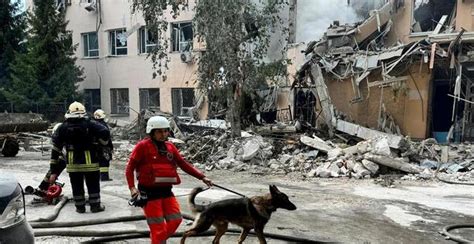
(46, 73)
(12, 34)
(237, 36)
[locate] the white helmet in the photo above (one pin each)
(99, 114)
(157, 122)
(77, 108)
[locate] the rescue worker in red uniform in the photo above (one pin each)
(155, 161)
(77, 134)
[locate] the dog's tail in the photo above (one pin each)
(195, 208)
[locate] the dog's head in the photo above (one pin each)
(280, 199)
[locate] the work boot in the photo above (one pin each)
(97, 208)
(81, 209)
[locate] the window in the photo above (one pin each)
(183, 101)
(150, 99)
(118, 42)
(146, 40)
(119, 101)
(433, 15)
(91, 44)
(92, 99)
(181, 36)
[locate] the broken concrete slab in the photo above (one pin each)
(381, 147)
(395, 163)
(360, 171)
(394, 141)
(314, 143)
(334, 153)
(250, 149)
(371, 166)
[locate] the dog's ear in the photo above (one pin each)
(274, 189)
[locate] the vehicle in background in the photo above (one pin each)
(13, 225)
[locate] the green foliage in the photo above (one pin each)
(237, 36)
(153, 12)
(46, 73)
(12, 25)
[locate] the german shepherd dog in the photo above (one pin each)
(248, 213)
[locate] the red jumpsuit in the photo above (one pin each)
(155, 173)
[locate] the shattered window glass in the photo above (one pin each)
(433, 15)
(182, 101)
(150, 99)
(147, 40)
(182, 36)
(118, 42)
(119, 101)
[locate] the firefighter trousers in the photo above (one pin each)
(163, 217)
(92, 180)
(104, 169)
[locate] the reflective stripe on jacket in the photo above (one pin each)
(145, 159)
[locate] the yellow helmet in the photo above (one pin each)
(77, 108)
(99, 114)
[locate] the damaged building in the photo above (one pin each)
(406, 70)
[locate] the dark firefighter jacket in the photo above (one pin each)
(78, 135)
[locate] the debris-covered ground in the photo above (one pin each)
(343, 209)
(310, 156)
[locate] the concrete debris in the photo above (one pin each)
(315, 143)
(215, 149)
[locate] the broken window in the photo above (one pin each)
(118, 42)
(433, 15)
(181, 36)
(119, 101)
(91, 44)
(146, 40)
(92, 99)
(150, 99)
(183, 101)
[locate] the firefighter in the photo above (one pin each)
(104, 155)
(77, 134)
(155, 160)
(60, 162)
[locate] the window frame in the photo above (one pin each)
(413, 20)
(87, 45)
(89, 95)
(176, 42)
(177, 93)
(115, 108)
(141, 91)
(113, 49)
(143, 33)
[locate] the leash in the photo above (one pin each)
(229, 190)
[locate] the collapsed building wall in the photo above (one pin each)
(406, 103)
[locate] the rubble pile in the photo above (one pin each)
(311, 156)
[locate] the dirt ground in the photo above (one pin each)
(341, 210)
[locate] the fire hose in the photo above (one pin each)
(113, 235)
(108, 235)
(456, 238)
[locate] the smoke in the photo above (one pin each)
(315, 16)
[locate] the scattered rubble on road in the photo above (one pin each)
(284, 151)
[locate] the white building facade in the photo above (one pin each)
(112, 47)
